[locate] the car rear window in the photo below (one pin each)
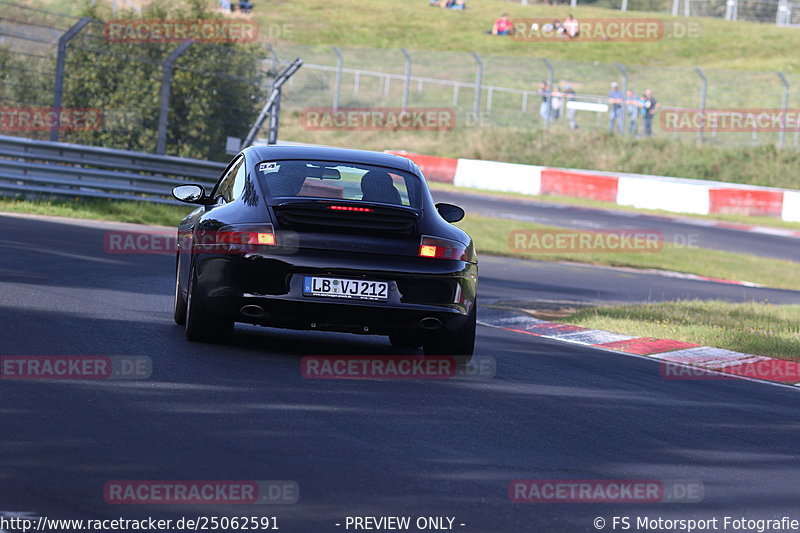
(341, 181)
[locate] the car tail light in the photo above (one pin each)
(350, 208)
(236, 239)
(261, 236)
(437, 248)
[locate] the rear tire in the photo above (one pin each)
(202, 326)
(179, 305)
(459, 344)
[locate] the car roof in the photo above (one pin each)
(326, 153)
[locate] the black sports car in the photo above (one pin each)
(326, 239)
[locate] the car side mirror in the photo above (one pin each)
(191, 194)
(449, 212)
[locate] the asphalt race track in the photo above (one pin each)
(504, 279)
(447, 447)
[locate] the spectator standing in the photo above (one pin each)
(649, 108)
(245, 6)
(633, 107)
(502, 26)
(544, 107)
(572, 114)
(615, 108)
(225, 5)
(556, 102)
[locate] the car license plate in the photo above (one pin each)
(357, 289)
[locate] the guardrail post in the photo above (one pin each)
(408, 78)
(551, 80)
(61, 59)
(703, 94)
(166, 85)
(784, 109)
(476, 107)
(624, 72)
(282, 78)
(338, 84)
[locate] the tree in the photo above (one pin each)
(217, 89)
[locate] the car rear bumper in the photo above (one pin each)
(366, 318)
(424, 295)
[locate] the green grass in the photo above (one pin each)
(392, 24)
(585, 202)
(133, 212)
(414, 25)
(756, 328)
(491, 236)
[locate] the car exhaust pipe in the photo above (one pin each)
(430, 322)
(252, 311)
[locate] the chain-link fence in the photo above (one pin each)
(156, 97)
(509, 90)
(780, 12)
(65, 78)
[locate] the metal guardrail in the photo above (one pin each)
(45, 168)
